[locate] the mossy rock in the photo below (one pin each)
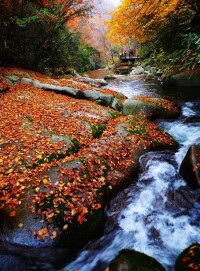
(110, 77)
(184, 79)
(131, 260)
(77, 235)
(150, 109)
(189, 259)
(190, 169)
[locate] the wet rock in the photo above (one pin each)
(131, 260)
(190, 169)
(159, 72)
(184, 197)
(189, 259)
(23, 258)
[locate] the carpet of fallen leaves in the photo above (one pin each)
(49, 158)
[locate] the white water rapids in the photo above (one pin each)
(160, 214)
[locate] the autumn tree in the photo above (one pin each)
(30, 28)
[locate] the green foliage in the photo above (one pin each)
(114, 115)
(98, 130)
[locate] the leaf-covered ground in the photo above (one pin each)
(57, 153)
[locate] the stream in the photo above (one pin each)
(160, 214)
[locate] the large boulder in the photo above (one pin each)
(184, 79)
(131, 260)
(190, 167)
(189, 259)
(151, 107)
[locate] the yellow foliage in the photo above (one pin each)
(139, 19)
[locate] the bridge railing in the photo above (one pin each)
(127, 57)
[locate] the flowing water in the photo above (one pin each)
(160, 214)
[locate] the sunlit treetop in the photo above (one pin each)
(140, 18)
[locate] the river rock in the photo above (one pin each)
(184, 79)
(189, 259)
(159, 72)
(153, 70)
(132, 260)
(27, 81)
(11, 79)
(102, 82)
(190, 167)
(138, 70)
(147, 68)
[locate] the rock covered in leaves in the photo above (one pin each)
(190, 167)
(189, 259)
(91, 95)
(131, 260)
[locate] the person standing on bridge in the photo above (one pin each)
(125, 53)
(133, 52)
